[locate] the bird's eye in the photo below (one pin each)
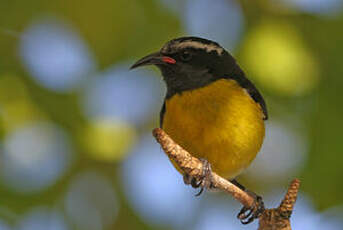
(185, 56)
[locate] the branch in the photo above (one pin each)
(271, 219)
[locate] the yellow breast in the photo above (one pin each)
(219, 122)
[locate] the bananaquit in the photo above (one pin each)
(211, 109)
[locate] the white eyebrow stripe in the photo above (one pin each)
(199, 45)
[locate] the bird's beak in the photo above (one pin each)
(153, 59)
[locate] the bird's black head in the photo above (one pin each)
(190, 62)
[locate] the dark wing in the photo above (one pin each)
(253, 92)
(163, 110)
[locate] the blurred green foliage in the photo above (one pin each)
(293, 56)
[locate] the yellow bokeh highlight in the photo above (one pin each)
(108, 140)
(276, 56)
(16, 106)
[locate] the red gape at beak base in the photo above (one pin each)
(168, 60)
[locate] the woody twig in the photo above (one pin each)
(271, 219)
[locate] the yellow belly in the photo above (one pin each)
(219, 122)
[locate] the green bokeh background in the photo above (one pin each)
(124, 30)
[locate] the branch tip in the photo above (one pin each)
(288, 202)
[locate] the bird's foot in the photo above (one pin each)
(205, 182)
(248, 215)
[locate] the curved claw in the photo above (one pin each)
(254, 212)
(206, 180)
(241, 215)
(200, 192)
(197, 184)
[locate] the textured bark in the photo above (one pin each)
(271, 219)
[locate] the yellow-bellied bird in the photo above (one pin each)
(211, 109)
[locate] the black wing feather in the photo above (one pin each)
(162, 112)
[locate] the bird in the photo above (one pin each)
(211, 109)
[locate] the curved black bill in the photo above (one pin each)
(151, 59)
